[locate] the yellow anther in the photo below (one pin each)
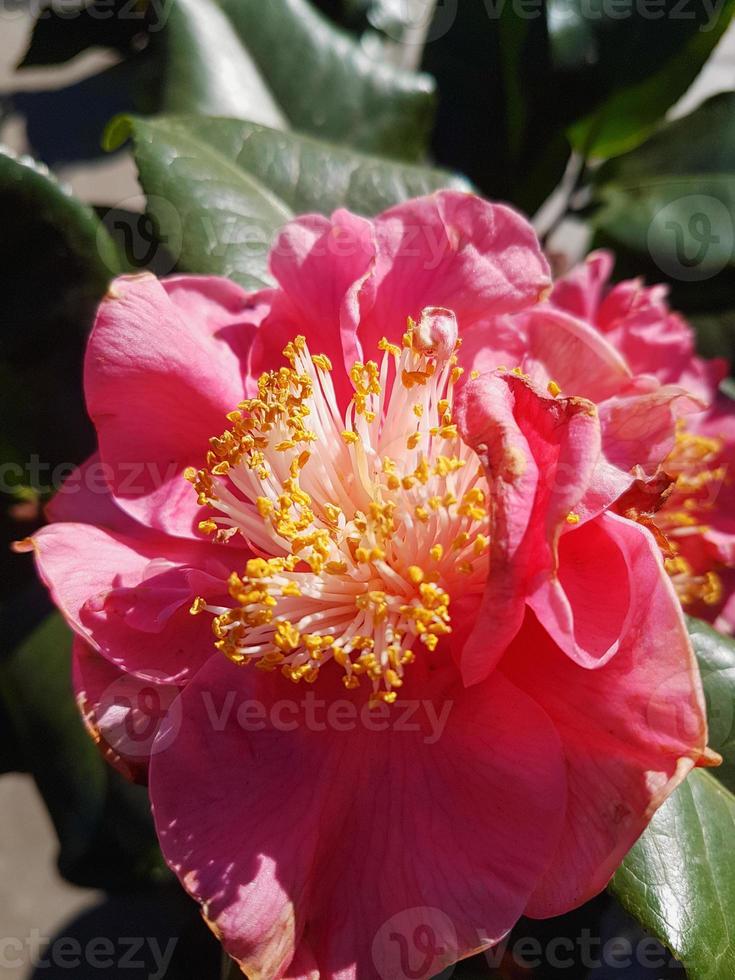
(257, 568)
(208, 526)
(264, 506)
(416, 574)
(573, 518)
(350, 437)
(436, 552)
(322, 361)
(553, 389)
(286, 637)
(384, 344)
(199, 605)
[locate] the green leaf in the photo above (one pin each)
(628, 70)
(206, 69)
(327, 84)
(716, 658)
(215, 185)
(213, 216)
(674, 196)
(103, 824)
(678, 881)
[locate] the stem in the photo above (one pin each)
(556, 207)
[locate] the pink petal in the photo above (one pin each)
(120, 596)
(164, 364)
(450, 250)
(580, 291)
(639, 425)
(319, 264)
(311, 845)
(85, 498)
(121, 712)
(573, 354)
(540, 454)
(587, 606)
(631, 731)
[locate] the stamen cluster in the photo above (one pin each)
(364, 520)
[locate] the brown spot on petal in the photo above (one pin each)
(514, 464)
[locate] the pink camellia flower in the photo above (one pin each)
(394, 668)
(695, 507)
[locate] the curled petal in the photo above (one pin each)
(540, 454)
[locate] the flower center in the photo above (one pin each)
(696, 464)
(366, 521)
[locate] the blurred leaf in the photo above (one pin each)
(207, 70)
(621, 70)
(702, 142)
(678, 881)
(328, 86)
(56, 260)
(498, 118)
(716, 334)
(103, 824)
(221, 188)
(63, 32)
(674, 196)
